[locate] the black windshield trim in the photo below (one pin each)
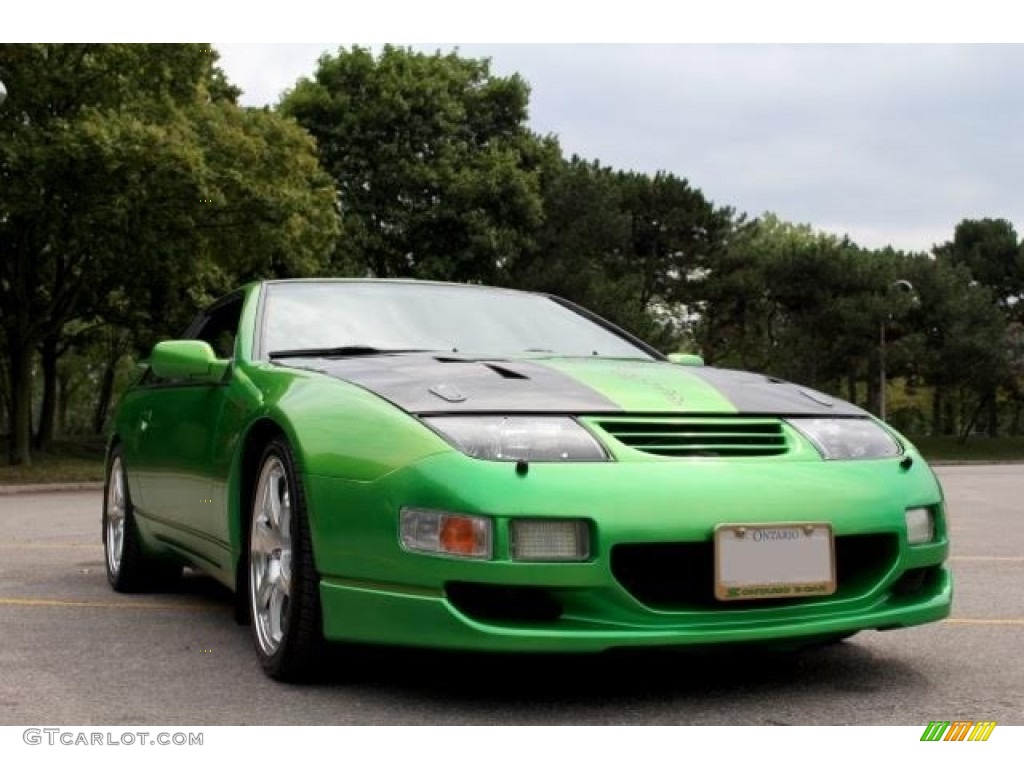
(354, 350)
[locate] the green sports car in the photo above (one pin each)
(478, 468)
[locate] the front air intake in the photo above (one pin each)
(699, 436)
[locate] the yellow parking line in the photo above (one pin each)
(42, 602)
(983, 622)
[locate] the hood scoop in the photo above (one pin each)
(450, 393)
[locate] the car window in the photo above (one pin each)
(218, 327)
(436, 317)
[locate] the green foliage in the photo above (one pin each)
(622, 244)
(133, 189)
(811, 307)
(988, 256)
(990, 249)
(436, 171)
(583, 234)
(788, 300)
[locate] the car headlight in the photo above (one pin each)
(848, 438)
(519, 438)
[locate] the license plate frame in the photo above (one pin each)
(766, 561)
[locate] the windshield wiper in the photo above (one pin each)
(354, 350)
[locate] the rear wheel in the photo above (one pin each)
(284, 596)
(129, 567)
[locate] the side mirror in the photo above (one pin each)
(684, 358)
(191, 360)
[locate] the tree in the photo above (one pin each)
(437, 174)
(133, 187)
(990, 250)
(583, 234)
(959, 341)
(675, 233)
(769, 300)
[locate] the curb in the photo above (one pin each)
(12, 490)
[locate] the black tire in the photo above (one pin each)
(281, 579)
(129, 568)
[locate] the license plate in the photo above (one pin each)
(759, 562)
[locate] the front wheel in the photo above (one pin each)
(284, 596)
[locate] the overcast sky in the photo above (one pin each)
(892, 145)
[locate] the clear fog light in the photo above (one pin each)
(443, 533)
(920, 525)
(550, 540)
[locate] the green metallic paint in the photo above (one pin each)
(399, 618)
(361, 459)
(644, 386)
(190, 360)
(652, 502)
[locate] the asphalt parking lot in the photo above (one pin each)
(73, 651)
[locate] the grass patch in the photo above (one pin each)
(70, 461)
(977, 448)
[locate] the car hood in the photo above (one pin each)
(426, 384)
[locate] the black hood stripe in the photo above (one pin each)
(754, 393)
(422, 384)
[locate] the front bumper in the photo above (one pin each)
(379, 614)
(373, 591)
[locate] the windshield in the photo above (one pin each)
(423, 316)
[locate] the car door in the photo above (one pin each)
(175, 444)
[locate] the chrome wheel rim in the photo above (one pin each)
(115, 516)
(270, 556)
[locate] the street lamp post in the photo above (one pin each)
(904, 286)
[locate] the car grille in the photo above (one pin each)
(704, 436)
(680, 576)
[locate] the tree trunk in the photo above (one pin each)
(969, 426)
(948, 418)
(938, 397)
(6, 415)
(993, 414)
(99, 418)
(48, 411)
(851, 387)
(19, 450)
(63, 398)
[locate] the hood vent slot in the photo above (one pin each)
(506, 373)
